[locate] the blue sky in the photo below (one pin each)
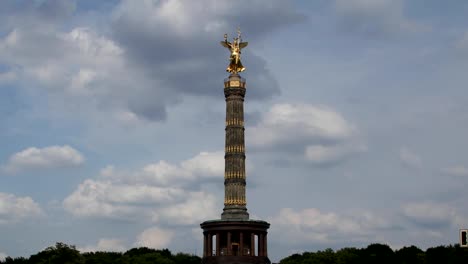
(112, 115)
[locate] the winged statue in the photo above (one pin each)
(235, 64)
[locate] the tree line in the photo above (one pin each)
(65, 254)
(383, 254)
(375, 253)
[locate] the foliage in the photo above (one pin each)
(65, 254)
(382, 254)
(60, 254)
(374, 253)
(102, 257)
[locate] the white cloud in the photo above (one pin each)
(312, 225)
(188, 212)
(322, 135)
(85, 59)
(110, 199)
(186, 18)
(432, 215)
(3, 256)
(109, 171)
(14, 208)
(43, 158)
(89, 73)
(204, 166)
(106, 245)
(294, 123)
(409, 158)
(82, 70)
(154, 237)
(459, 171)
(159, 192)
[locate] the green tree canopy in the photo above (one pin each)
(375, 253)
(59, 254)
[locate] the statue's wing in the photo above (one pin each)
(243, 45)
(226, 44)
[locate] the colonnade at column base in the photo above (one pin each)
(235, 241)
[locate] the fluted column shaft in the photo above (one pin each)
(234, 175)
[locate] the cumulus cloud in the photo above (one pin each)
(154, 237)
(293, 123)
(180, 49)
(3, 256)
(60, 60)
(205, 166)
(14, 208)
(149, 61)
(162, 192)
(44, 158)
(318, 133)
(432, 215)
(312, 225)
(78, 67)
(459, 171)
(189, 212)
(109, 199)
(376, 17)
(106, 245)
(409, 159)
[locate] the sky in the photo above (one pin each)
(112, 122)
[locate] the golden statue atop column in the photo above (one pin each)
(235, 64)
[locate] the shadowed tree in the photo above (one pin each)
(294, 258)
(379, 253)
(410, 255)
(60, 254)
(144, 255)
(102, 257)
(461, 254)
(374, 253)
(440, 254)
(326, 257)
(186, 259)
(20, 260)
(348, 256)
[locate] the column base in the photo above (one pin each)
(235, 212)
(229, 247)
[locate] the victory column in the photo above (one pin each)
(238, 239)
